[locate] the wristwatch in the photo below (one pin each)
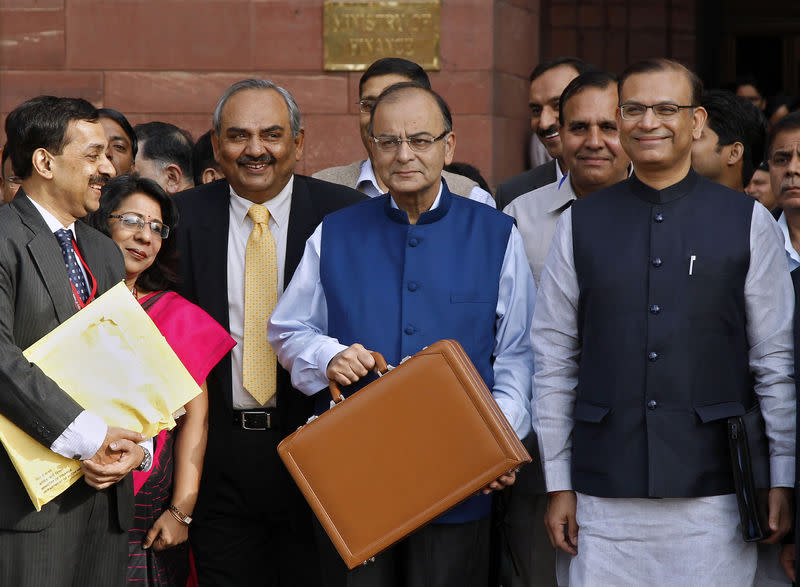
(147, 461)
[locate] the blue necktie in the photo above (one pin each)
(64, 237)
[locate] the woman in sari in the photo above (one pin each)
(138, 215)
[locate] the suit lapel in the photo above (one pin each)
(554, 171)
(47, 257)
(91, 248)
(212, 240)
(302, 222)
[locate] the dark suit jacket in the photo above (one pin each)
(203, 247)
(525, 182)
(35, 297)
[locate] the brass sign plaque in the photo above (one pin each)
(357, 33)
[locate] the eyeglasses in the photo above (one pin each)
(366, 106)
(634, 111)
(135, 222)
(417, 144)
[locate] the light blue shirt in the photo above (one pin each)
(299, 323)
(792, 256)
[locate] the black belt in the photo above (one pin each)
(255, 419)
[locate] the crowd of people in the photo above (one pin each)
(621, 301)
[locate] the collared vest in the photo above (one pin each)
(664, 351)
(395, 287)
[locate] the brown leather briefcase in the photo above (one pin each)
(404, 449)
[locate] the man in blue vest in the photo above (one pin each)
(395, 274)
(665, 308)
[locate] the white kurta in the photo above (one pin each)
(665, 542)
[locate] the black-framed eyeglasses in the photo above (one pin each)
(663, 111)
(417, 143)
(366, 106)
(135, 222)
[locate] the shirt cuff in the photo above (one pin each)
(557, 475)
(517, 416)
(781, 471)
(326, 352)
(82, 439)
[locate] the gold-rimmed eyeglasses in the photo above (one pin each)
(417, 143)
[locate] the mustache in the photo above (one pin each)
(542, 132)
(102, 179)
(789, 183)
(265, 158)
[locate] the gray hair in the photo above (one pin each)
(258, 84)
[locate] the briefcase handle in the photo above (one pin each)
(380, 368)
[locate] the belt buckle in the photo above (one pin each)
(267, 417)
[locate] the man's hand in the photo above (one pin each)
(502, 481)
(780, 513)
(787, 561)
(118, 455)
(350, 365)
(108, 451)
(559, 519)
(165, 533)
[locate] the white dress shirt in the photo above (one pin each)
(239, 228)
(536, 213)
(298, 326)
(368, 185)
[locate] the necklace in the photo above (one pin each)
(135, 293)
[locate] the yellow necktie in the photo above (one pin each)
(260, 296)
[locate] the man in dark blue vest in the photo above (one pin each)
(665, 308)
(395, 274)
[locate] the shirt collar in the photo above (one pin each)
(435, 204)
(53, 223)
(278, 207)
(792, 256)
(440, 207)
(563, 195)
(367, 174)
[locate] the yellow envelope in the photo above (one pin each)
(114, 362)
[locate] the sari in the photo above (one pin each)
(200, 343)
